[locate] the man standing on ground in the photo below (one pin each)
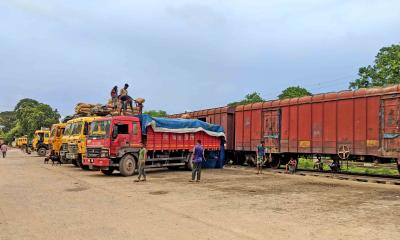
(260, 156)
(123, 96)
(142, 162)
(4, 150)
(198, 156)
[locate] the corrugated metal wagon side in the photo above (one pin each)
(362, 124)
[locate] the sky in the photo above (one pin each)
(185, 55)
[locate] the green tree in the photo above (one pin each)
(249, 98)
(386, 69)
(28, 116)
(7, 120)
(155, 113)
(292, 92)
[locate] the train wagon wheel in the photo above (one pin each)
(274, 161)
(344, 152)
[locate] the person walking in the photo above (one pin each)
(142, 163)
(114, 98)
(260, 157)
(198, 156)
(4, 150)
(123, 96)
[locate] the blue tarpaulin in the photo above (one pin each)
(178, 125)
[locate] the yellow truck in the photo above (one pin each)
(73, 148)
(40, 141)
(55, 140)
(22, 142)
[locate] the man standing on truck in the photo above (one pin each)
(114, 98)
(142, 162)
(4, 150)
(198, 156)
(123, 96)
(260, 156)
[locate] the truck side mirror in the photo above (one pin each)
(115, 132)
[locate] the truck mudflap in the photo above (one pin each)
(96, 163)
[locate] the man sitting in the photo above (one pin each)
(319, 164)
(291, 166)
(335, 166)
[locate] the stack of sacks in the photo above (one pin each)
(136, 110)
(83, 108)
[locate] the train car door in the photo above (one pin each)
(272, 130)
(390, 124)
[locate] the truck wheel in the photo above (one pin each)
(42, 151)
(127, 165)
(108, 172)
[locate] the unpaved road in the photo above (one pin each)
(40, 201)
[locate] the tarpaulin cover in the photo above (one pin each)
(180, 125)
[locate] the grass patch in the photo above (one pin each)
(309, 164)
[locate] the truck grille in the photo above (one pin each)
(73, 148)
(64, 147)
(93, 152)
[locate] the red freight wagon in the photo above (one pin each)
(362, 124)
(224, 116)
(113, 143)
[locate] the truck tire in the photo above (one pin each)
(108, 172)
(79, 164)
(75, 163)
(127, 165)
(42, 151)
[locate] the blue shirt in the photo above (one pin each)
(198, 153)
(261, 150)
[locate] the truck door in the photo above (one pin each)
(271, 129)
(136, 136)
(390, 124)
(122, 140)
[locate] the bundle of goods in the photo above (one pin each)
(136, 110)
(84, 109)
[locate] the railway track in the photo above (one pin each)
(380, 179)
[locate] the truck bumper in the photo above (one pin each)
(96, 163)
(71, 156)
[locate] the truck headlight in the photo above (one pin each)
(104, 153)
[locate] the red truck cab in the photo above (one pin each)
(114, 143)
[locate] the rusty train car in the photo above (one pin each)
(362, 124)
(223, 116)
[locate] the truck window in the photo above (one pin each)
(123, 128)
(58, 134)
(135, 128)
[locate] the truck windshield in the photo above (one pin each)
(100, 129)
(53, 131)
(68, 129)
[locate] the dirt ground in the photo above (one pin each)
(40, 201)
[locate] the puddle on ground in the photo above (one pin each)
(76, 189)
(158, 192)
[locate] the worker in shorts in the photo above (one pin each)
(142, 162)
(260, 156)
(114, 98)
(4, 150)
